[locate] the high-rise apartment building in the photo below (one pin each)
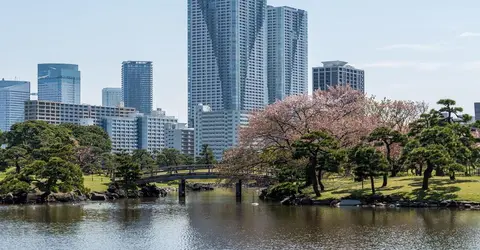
(227, 68)
(137, 85)
(123, 133)
(152, 130)
(13, 95)
(180, 137)
(227, 55)
(218, 129)
(58, 82)
(287, 52)
(82, 114)
(338, 73)
(111, 97)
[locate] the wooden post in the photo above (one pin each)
(181, 188)
(238, 190)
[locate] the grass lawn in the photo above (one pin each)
(441, 188)
(98, 183)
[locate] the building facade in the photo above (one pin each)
(152, 130)
(59, 82)
(227, 55)
(137, 85)
(59, 113)
(338, 73)
(123, 133)
(218, 129)
(112, 97)
(13, 95)
(181, 137)
(287, 52)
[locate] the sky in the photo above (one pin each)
(410, 50)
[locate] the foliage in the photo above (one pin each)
(320, 149)
(128, 170)
(369, 163)
(279, 191)
(144, 159)
(206, 156)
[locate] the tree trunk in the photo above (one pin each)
(313, 175)
(452, 176)
(319, 178)
(385, 180)
(439, 172)
(372, 182)
(17, 167)
(426, 175)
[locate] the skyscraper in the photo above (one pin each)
(58, 82)
(287, 52)
(338, 73)
(137, 85)
(111, 97)
(13, 95)
(227, 55)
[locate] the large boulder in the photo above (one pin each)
(153, 191)
(98, 197)
(63, 197)
(200, 187)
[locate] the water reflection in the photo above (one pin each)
(214, 220)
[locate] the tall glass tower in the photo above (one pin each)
(58, 82)
(287, 52)
(111, 97)
(227, 55)
(13, 95)
(137, 85)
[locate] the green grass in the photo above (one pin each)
(97, 183)
(441, 188)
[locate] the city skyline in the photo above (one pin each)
(398, 55)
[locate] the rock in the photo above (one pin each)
(8, 199)
(63, 197)
(304, 201)
(153, 191)
(112, 196)
(134, 194)
(335, 203)
(467, 206)
(350, 203)
(288, 201)
(200, 187)
(98, 197)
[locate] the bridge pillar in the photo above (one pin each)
(238, 190)
(181, 189)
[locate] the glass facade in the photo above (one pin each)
(13, 95)
(59, 82)
(287, 52)
(137, 85)
(111, 97)
(227, 55)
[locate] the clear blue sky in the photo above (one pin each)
(410, 49)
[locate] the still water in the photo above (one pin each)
(213, 220)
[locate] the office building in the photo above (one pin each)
(59, 82)
(82, 114)
(180, 137)
(218, 129)
(123, 133)
(13, 95)
(287, 52)
(111, 97)
(338, 73)
(151, 130)
(227, 55)
(137, 85)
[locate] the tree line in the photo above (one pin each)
(342, 131)
(54, 158)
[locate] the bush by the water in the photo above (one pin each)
(280, 191)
